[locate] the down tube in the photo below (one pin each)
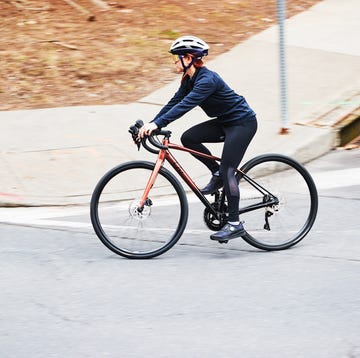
(179, 169)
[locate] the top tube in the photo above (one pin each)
(134, 130)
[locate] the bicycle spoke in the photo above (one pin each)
(133, 231)
(278, 226)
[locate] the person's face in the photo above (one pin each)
(177, 62)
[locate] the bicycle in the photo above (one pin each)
(139, 209)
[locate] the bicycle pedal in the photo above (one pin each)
(223, 242)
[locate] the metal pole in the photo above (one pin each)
(281, 13)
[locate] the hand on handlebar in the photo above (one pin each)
(147, 129)
(140, 132)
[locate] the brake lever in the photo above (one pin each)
(135, 136)
(134, 130)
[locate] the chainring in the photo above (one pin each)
(211, 221)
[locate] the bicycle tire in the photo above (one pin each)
(291, 220)
(118, 223)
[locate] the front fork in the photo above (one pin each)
(145, 196)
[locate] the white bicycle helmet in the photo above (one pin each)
(189, 44)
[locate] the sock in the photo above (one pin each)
(234, 223)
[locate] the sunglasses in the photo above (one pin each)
(175, 58)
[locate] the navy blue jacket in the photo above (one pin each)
(209, 91)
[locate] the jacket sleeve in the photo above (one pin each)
(203, 88)
(179, 95)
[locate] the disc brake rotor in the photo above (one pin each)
(138, 214)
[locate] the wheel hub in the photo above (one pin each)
(139, 213)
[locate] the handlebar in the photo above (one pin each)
(134, 130)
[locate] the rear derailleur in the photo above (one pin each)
(269, 210)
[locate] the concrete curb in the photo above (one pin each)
(56, 156)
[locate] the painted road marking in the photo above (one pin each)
(57, 216)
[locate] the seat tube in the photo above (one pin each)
(158, 164)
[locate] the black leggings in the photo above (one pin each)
(236, 138)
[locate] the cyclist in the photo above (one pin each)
(233, 122)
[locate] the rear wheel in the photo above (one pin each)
(132, 231)
(284, 223)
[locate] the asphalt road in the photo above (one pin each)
(63, 294)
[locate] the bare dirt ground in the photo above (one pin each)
(82, 52)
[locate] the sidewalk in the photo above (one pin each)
(56, 156)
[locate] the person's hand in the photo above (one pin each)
(147, 128)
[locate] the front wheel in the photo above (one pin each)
(292, 196)
(131, 231)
